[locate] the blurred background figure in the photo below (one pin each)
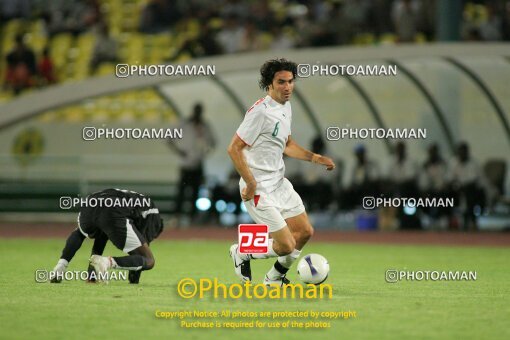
(21, 66)
(310, 182)
(405, 19)
(14, 9)
(105, 49)
(466, 181)
(402, 181)
(251, 39)
(364, 180)
(227, 199)
(433, 184)
(491, 29)
(203, 45)
(46, 68)
(197, 142)
(159, 16)
(402, 174)
(232, 36)
(71, 16)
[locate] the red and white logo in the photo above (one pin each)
(253, 238)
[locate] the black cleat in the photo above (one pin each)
(134, 276)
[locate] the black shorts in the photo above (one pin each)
(120, 230)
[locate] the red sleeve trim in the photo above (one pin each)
(242, 140)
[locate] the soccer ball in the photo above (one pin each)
(313, 268)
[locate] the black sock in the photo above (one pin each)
(278, 266)
(131, 262)
(73, 243)
(99, 244)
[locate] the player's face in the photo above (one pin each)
(282, 86)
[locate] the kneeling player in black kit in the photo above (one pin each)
(130, 222)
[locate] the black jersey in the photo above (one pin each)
(104, 207)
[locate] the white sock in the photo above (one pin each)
(288, 260)
(62, 263)
(270, 252)
(285, 262)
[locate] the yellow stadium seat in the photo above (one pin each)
(266, 40)
(13, 26)
(37, 42)
(388, 39)
(5, 96)
(59, 50)
(420, 38)
(168, 115)
(364, 39)
(37, 27)
(47, 117)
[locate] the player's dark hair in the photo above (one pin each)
(270, 67)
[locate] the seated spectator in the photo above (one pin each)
(402, 178)
(71, 16)
(227, 192)
(105, 49)
(46, 68)
(364, 180)
(433, 182)
(403, 174)
(317, 189)
(202, 46)
(282, 38)
(465, 178)
(309, 180)
(231, 35)
(21, 67)
(158, 16)
(491, 29)
(251, 39)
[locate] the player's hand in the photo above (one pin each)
(248, 192)
(328, 162)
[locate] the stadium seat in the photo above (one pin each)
(59, 52)
(388, 39)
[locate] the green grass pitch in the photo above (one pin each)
(409, 309)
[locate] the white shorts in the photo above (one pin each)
(272, 209)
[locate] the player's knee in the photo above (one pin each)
(307, 233)
(287, 247)
(150, 262)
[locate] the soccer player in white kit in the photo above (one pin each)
(257, 151)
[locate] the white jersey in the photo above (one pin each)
(266, 130)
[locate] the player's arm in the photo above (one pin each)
(174, 143)
(235, 151)
(294, 150)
